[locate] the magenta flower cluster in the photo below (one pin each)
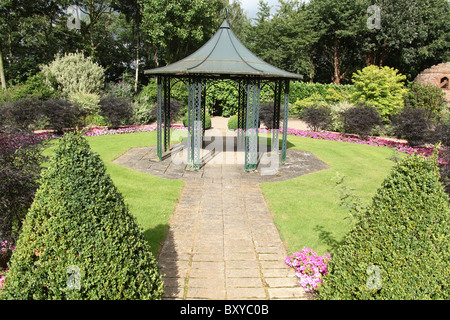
(309, 268)
(4, 246)
(102, 131)
(11, 143)
(2, 279)
(371, 141)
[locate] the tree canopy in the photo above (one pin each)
(325, 40)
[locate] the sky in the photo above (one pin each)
(251, 6)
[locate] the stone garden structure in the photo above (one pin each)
(437, 75)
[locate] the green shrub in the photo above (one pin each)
(74, 73)
(120, 89)
(149, 93)
(79, 240)
(337, 109)
(224, 94)
(329, 92)
(427, 97)
(207, 121)
(382, 88)
(88, 102)
(300, 105)
(176, 108)
(142, 113)
(399, 246)
(34, 87)
(233, 122)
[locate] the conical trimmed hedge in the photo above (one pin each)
(399, 249)
(79, 240)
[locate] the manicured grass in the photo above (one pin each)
(306, 209)
(150, 199)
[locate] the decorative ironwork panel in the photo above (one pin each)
(195, 127)
(276, 117)
(252, 125)
(159, 119)
(203, 111)
(285, 122)
(242, 116)
(277, 104)
(166, 105)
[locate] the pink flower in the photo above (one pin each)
(309, 267)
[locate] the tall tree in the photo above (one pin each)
(28, 35)
(177, 28)
(341, 26)
(414, 35)
(284, 39)
(133, 18)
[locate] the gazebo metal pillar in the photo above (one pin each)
(285, 121)
(166, 108)
(163, 115)
(242, 115)
(195, 124)
(252, 125)
(276, 118)
(159, 103)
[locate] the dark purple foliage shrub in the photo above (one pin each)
(361, 119)
(62, 114)
(318, 117)
(117, 110)
(20, 167)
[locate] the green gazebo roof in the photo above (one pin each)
(223, 55)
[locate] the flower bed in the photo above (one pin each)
(371, 141)
(325, 135)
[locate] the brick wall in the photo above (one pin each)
(438, 75)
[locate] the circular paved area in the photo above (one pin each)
(222, 242)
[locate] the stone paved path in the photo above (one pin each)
(222, 242)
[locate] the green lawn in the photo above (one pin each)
(306, 209)
(150, 199)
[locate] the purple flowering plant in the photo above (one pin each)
(4, 247)
(309, 267)
(402, 147)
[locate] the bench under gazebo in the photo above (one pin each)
(223, 57)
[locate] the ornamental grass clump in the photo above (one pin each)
(79, 241)
(399, 246)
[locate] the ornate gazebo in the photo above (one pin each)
(223, 57)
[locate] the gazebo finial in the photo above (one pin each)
(225, 13)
